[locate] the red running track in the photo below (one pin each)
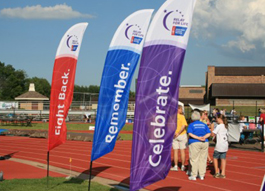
(245, 169)
(15, 170)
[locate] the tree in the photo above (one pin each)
(12, 82)
(93, 89)
(15, 82)
(132, 94)
(81, 92)
(41, 85)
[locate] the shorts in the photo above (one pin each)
(180, 142)
(219, 155)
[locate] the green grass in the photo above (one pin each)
(126, 137)
(70, 126)
(127, 127)
(55, 184)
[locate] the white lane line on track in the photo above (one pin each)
(122, 167)
(127, 161)
(206, 185)
(116, 167)
(44, 153)
(67, 158)
(126, 151)
(67, 147)
(127, 156)
(128, 168)
(60, 148)
(110, 174)
(74, 147)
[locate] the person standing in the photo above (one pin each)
(221, 136)
(262, 122)
(180, 140)
(198, 146)
(85, 118)
(223, 112)
(233, 112)
(205, 119)
(242, 126)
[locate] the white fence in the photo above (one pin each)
(40, 110)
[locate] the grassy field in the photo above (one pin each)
(55, 184)
(125, 137)
(70, 126)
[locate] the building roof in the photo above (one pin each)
(239, 71)
(237, 90)
(32, 95)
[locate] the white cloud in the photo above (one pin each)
(62, 11)
(240, 22)
(241, 44)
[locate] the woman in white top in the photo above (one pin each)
(221, 147)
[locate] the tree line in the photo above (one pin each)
(16, 82)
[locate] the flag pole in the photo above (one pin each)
(90, 172)
(48, 163)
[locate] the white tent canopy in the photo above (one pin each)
(200, 107)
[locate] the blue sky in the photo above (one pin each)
(224, 33)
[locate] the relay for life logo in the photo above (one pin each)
(174, 21)
(72, 42)
(134, 33)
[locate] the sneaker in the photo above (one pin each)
(175, 168)
(182, 168)
(188, 173)
(216, 175)
(222, 176)
(202, 177)
(192, 178)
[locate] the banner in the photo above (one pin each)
(206, 107)
(63, 83)
(8, 105)
(120, 64)
(157, 92)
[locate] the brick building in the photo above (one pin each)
(241, 85)
(192, 94)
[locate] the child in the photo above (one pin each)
(221, 147)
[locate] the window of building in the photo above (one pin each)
(195, 91)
